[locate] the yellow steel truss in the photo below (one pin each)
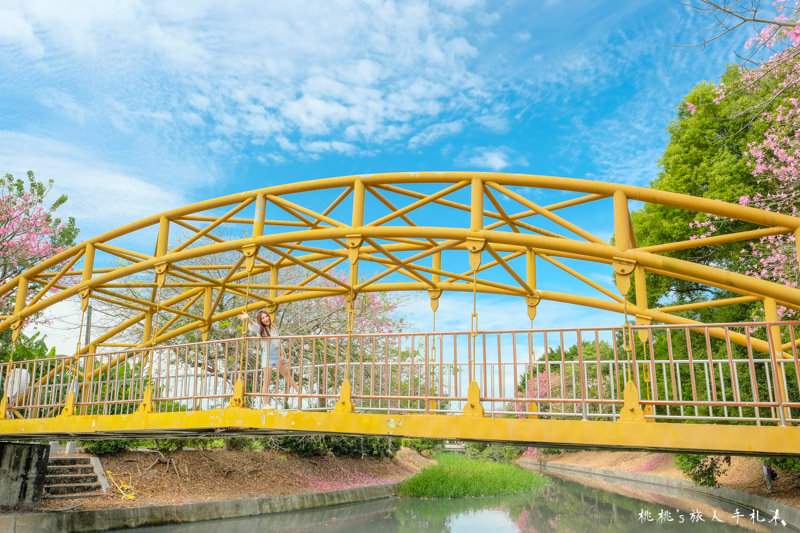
(275, 228)
(316, 240)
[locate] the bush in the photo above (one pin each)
(315, 446)
(108, 447)
(238, 444)
(498, 453)
(169, 445)
(304, 446)
(423, 445)
(783, 464)
(702, 469)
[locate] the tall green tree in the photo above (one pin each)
(706, 156)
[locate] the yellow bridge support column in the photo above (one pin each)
(19, 305)
(779, 373)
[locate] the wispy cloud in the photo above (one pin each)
(241, 73)
(101, 197)
(435, 132)
(492, 158)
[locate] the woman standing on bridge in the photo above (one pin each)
(271, 354)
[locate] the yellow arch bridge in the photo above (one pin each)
(664, 382)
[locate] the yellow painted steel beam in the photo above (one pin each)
(698, 438)
(514, 226)
(569, 184)
(221, 220)
(522, 283)
(603, 252)
(484, 266)
(381, 198)
(419, 203)
(715, 239)
(564, 223)
(57, 277)
(500, 241)
(710, 303)
(281, 202)
(405, 265)
(581, 277)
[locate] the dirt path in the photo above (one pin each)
(189, 476)
(744, 474)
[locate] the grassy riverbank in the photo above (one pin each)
(456, 476)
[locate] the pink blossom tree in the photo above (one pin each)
(29, 233)
(773, 159)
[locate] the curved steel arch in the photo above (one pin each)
(382, 220)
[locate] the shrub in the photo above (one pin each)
(422, 445)
(315, 446)
(783, 464)
(238, 443)
(702, 469)
(304, 445)
(108, 447)
(498, 453)
(169, 445)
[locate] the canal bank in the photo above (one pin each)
(157, 515)
(667, 491)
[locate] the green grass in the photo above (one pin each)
(456, 476)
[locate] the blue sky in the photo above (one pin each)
(135, 107)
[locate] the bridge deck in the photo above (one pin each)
(736, 383)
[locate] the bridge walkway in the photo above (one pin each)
(726, 388)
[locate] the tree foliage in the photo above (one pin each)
(29, 231)
(704, 470)
(705, 157)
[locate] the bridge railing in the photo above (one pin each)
(718, 373)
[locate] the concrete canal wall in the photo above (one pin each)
(680, 488)
(106, 519)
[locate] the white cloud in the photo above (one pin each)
(492, 158)
(61, 325)
(362, 72)
(496, 123)
(66, 104)
(435, 132)
(329, 146)
(16, 30)
(624, 149)
(101, 197)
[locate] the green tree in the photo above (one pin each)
(705, 157)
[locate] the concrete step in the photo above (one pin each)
(72, 496)
(65, 479)
(72, 488)
(69, 469)
(65, 461)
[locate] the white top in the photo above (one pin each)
(255, 330)
(17, 383)
(270, 349)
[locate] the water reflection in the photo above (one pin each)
(560, 507)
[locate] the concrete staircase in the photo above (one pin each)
(72, 477)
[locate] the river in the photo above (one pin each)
(562, 506)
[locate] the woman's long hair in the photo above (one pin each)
(262, 329)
